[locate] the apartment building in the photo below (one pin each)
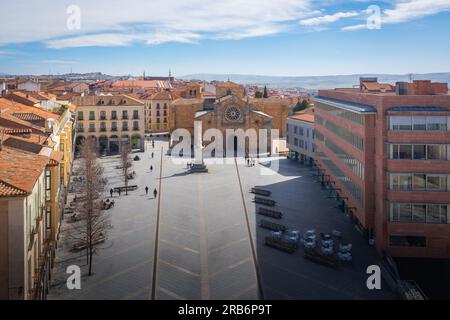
(300, 136)
(157, 110)
(35, 164)
(384, 151)
(110, 120)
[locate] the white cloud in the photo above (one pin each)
(115, 23)
(412, 9)
(328, 18)
(407, 10)
(355, 27)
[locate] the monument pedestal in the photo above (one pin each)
(198, 166)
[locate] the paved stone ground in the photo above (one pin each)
(204, 249)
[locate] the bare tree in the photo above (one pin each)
(125, 162)
(94, 222)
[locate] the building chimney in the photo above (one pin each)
(401, 88)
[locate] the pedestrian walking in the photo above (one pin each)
(248, 162)
(151, 168)
(146, 190)
(153, 155)
(155, 193)
(111, 192)
(118, 190)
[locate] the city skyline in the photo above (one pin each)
(286, 38)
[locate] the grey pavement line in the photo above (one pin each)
(179, 247)
(225, 228)
(252, 244)
(231, 266)
(125, 250)
(96, 283)
(136, 293)
(156, 250)
(229, 244)
(172, 294)
(178, 229)
(204, 273)
(325, 285)
(179, 268)
(236, 295)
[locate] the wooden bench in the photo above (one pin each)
(270, 213)
(261, 192)
(327, 260)
(264, 201)
(123, 189)
(266, 224)
(281, 244)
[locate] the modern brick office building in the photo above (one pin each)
(384, 151)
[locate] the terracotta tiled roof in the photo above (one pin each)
(28, 116)
(141, 84)
(303, 117)
(20, 169)
(7, 190)
(21, 108)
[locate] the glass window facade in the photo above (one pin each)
(342, 113)
(419, 213)
(343, 133)
(418, 123)
(418, 152)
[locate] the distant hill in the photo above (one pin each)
(314, 82)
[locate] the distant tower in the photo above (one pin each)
(143, 77)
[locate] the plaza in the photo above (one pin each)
(200, 237)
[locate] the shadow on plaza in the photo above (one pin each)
(305, 205)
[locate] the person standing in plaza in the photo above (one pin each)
(146, 190)
(155, 193)
(111, 192)
(151, 168)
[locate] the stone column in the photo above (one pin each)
(198, 142)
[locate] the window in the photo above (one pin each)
(437, 151)
(92, 127)
(80, 115)
(135, 125)
(407, 241)
(437, 123)
(295, 129)
(80, 127)
(135, 114)
(125, 114)
(419, 181)
(420, 152)
(404, 151)
(296, 142)
(113, 126)
(419, 213)
(165, 105)
(102, 126)
(91, 115)
(113, 115)
(48, 185)
(400, 123)
(102, 115)
(419, 123)
(125, 126)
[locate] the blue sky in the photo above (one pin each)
(266, 37)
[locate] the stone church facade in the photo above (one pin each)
(230, 109)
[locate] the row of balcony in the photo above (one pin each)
(105, 129)
(112, 118)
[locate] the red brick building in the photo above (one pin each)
(384, 151)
